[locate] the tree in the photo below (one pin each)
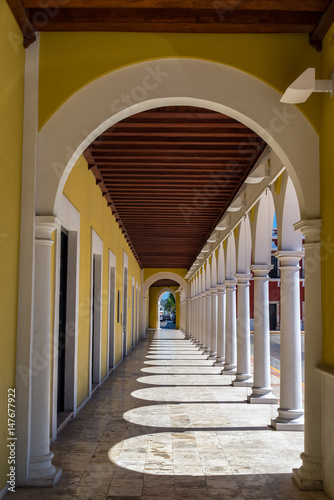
(170, 304)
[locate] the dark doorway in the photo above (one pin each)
(96, 319)
(273, 317)
(112, 285)
(125, 311)
(62, 322)
(93, 318)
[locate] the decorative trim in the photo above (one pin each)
(326, 370)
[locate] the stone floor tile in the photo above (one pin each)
(167, 425)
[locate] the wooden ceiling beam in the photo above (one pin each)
(181, 131)
(146, 154)
(323, 26)
(176, 20)
(292, 5)
(194, 165)
(147, 141)
(181, 124)
(193, 169)
(21, 17)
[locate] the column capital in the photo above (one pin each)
(243, 279)
(261, 270)
(221, 288)
(44, 226)
(289, 258)
(214, 290)
(310, 228)
(230, 283)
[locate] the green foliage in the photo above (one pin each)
(170, 305)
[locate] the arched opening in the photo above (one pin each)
(167, 308)
(293, 139)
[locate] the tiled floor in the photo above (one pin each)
(166, 425)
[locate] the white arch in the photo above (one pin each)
(164, 275)
(244, 246)
(164, 290)
(97, 106)
(287, 214)
(221, 264)
(230, 258)
(262, 229)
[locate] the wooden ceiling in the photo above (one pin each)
(168, 176)
(175, 16)
(165, 282)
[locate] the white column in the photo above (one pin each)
(262, 390)
(213, 336)
(199, 311)
(196, 313)
(143, 319)
(290, 413)
(192, 312)
(203, 309)
(243, 375)
(41, 472)
(221, 323)
(208, 308)
(310, 475)
(231, 328)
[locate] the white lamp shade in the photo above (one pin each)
(301, 89)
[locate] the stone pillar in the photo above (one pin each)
(192, 321)
(231, 329)
(262, 391)
(203, 324)
(309, 475)
(208, 321)
(143, 318)
(221, 324)
(41, 472)
(199, 302)
(290, 413)
(213, 338)
(196, 314)
(213, 335)
(243, 376)
(203, 309)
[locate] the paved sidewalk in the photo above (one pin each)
(166, 425)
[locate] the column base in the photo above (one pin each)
(45, 482)
(288, 420)
(220, 362)
(213, 356)
(262, 395)
(229, 369)
(309, 475)
(206, 351)
(42, 472)
(243, 380)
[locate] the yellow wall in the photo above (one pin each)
(178, 309)
(11, 122)
(327, 190)
(83, 193)
(153, 305)
(275, 59)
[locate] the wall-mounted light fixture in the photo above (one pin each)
(301, 89)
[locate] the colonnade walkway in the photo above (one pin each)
(167, 425)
